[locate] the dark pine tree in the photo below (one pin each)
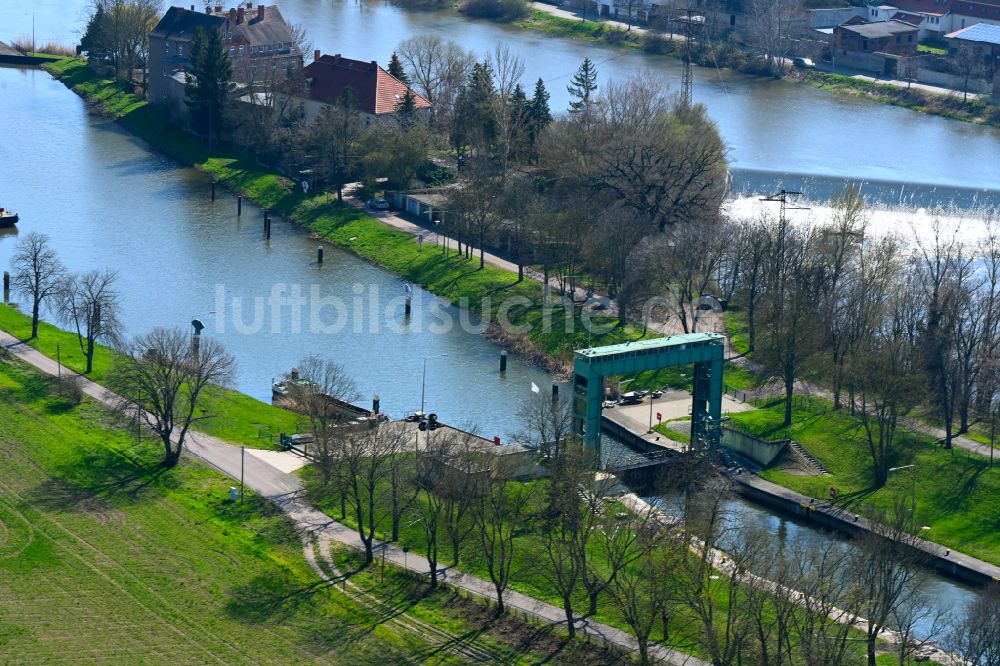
(583, 86)
(396, 69)
(94, 40)
(406, 108)
(539, 115)
(207, 90)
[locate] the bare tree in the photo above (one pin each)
(977, 633)
(830, 611)
(475, 205)
(38, 272)
(945, 270)
(318, 388)
(89, 303)
(437, 480)
(885, 571)
(687, 258)
(508, 112)
(643, 592)
(437, 68)
(497, 513)
(547, 423)
(772, 26)
(365, 465)
(160, 381)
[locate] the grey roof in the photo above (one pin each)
(880, 29)
(980, 32)
(180, 24)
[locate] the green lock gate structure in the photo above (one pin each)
(705, 351)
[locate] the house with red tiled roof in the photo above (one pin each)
(376, 92)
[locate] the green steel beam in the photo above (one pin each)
(703, 350)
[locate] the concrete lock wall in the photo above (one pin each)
(752, 447)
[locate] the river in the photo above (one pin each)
(780, 134)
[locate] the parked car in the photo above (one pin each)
(378, 204)
(804, 63)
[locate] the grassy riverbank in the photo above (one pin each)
(161, 568)
(953, 107)
(236, 417)
(978, 111)
(957, 493)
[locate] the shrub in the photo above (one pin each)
(502, 10)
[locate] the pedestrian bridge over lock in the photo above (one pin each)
(705, 351)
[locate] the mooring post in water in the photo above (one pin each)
(409, 305)
(239, 206)
(555, 392)
(6, 286)
(503, 361)
(213, 189)
(319, 255)
(376, 403)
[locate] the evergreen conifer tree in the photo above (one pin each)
(583, 86)
(396, 69)
(207, 89)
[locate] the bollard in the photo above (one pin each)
(408, 306)
(376, 403)
(319, 254)
(503, 361)
(6, 286)
(213, 190)
(239, 206)
(555, 392)
(267, 228)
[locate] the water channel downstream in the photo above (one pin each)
(107, 201)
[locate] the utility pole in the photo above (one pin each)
(242, 458)
(687, 74)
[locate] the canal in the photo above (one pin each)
(109, 202)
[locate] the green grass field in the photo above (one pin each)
(106, 557)
(236, 417)
(957, 494)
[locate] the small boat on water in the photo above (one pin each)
(8, 218)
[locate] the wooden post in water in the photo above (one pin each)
(409, 305)
(6, 286)
(239, 206)
(555, 392)
(213, 189)
(503, 361)
(319, 255)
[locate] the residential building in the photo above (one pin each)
(377, 93)
(890, 37)
(980, 43)
(257, 40)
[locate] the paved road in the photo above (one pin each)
(286, 492)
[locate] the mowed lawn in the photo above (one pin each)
(107, 558)
(957, 493)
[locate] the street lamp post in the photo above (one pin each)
(913, 487)
(423, 380)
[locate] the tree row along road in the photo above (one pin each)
(286, 492)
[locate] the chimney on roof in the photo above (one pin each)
(316, 54)
(374, 64)
(249, 4)
(232, 15)
(239, 15)
(218, 9)
(208, 9)
(192, 7)
(260, 12)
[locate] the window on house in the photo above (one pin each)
(899, 39)
(909, 38)
(166, 48)
(241, 51)
(180, 49)
(232, 51)
(253, 72)
(732, 20)
(864, 44)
